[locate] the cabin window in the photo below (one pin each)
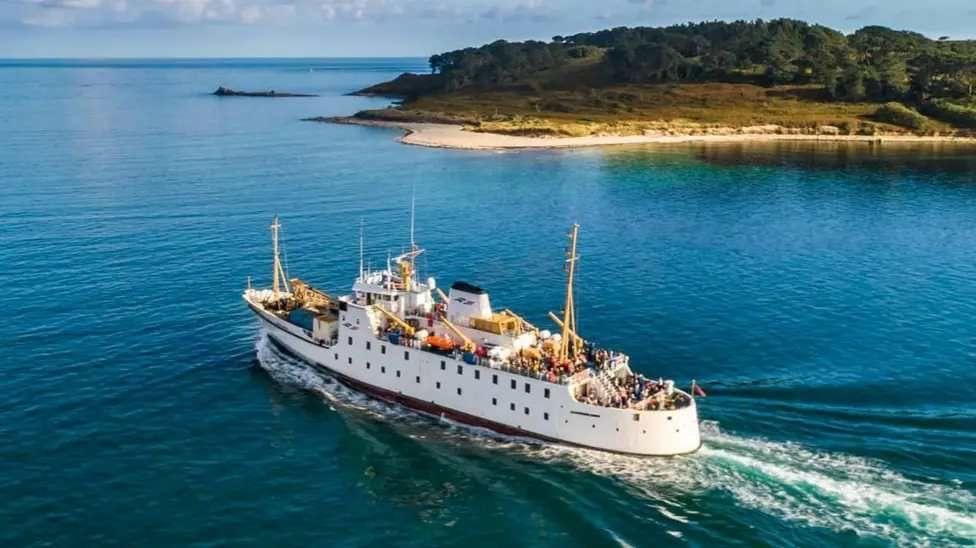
(443, 365)
(528, 388)
(545, 416)
(494, 379)
(526, 410)
(336, 356)
(350, 341)
(636, 417)
(513, 383)
(438, 385)
(459, 391)
(398, 373)
(511, 406)
(494, 401)
(477, 374)
(367, 365)
(382, 349)
(546, 393)
(350, 360)
(460, 370)
(383, 369)
(406, 355)
(418, 380)
(367, 345)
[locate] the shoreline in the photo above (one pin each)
(454, 136)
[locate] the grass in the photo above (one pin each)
(531, 109)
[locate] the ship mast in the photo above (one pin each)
(278, 276)
(566, 344)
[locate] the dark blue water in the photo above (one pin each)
(824, 295)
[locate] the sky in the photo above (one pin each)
(364, 28)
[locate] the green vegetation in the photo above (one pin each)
(900, 115)
(958, 115)
(784, 72)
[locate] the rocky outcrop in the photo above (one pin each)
(227, 92)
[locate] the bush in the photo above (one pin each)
(900, 115)
(953, 113)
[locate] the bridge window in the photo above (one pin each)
(546, 393)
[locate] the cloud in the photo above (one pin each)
(100, 13)
(528, 10)
(866, 12)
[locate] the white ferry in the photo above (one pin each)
(452, 356)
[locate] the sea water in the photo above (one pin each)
(823, 294)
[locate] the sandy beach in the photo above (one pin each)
(457, 137)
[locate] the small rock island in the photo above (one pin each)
(227, 92)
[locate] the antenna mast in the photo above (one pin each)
(278, 274)
(569, 312)
(361, 249)
(413, 209)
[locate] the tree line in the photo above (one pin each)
(874, 63)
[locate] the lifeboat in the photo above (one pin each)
(440, 343)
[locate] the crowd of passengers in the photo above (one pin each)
(628, 391)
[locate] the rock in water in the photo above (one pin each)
(227, 92)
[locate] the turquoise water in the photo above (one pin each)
(825, 296)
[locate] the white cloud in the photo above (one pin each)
(278, 12)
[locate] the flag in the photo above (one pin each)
(696, 390)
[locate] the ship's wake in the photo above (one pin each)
(784, 480)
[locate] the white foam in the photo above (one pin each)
(785, 480)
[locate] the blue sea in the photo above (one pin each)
(824, 295)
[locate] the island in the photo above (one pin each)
(779, 79)
(227, 92)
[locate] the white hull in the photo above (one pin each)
(480, 395)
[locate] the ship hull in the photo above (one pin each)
(543, 411)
